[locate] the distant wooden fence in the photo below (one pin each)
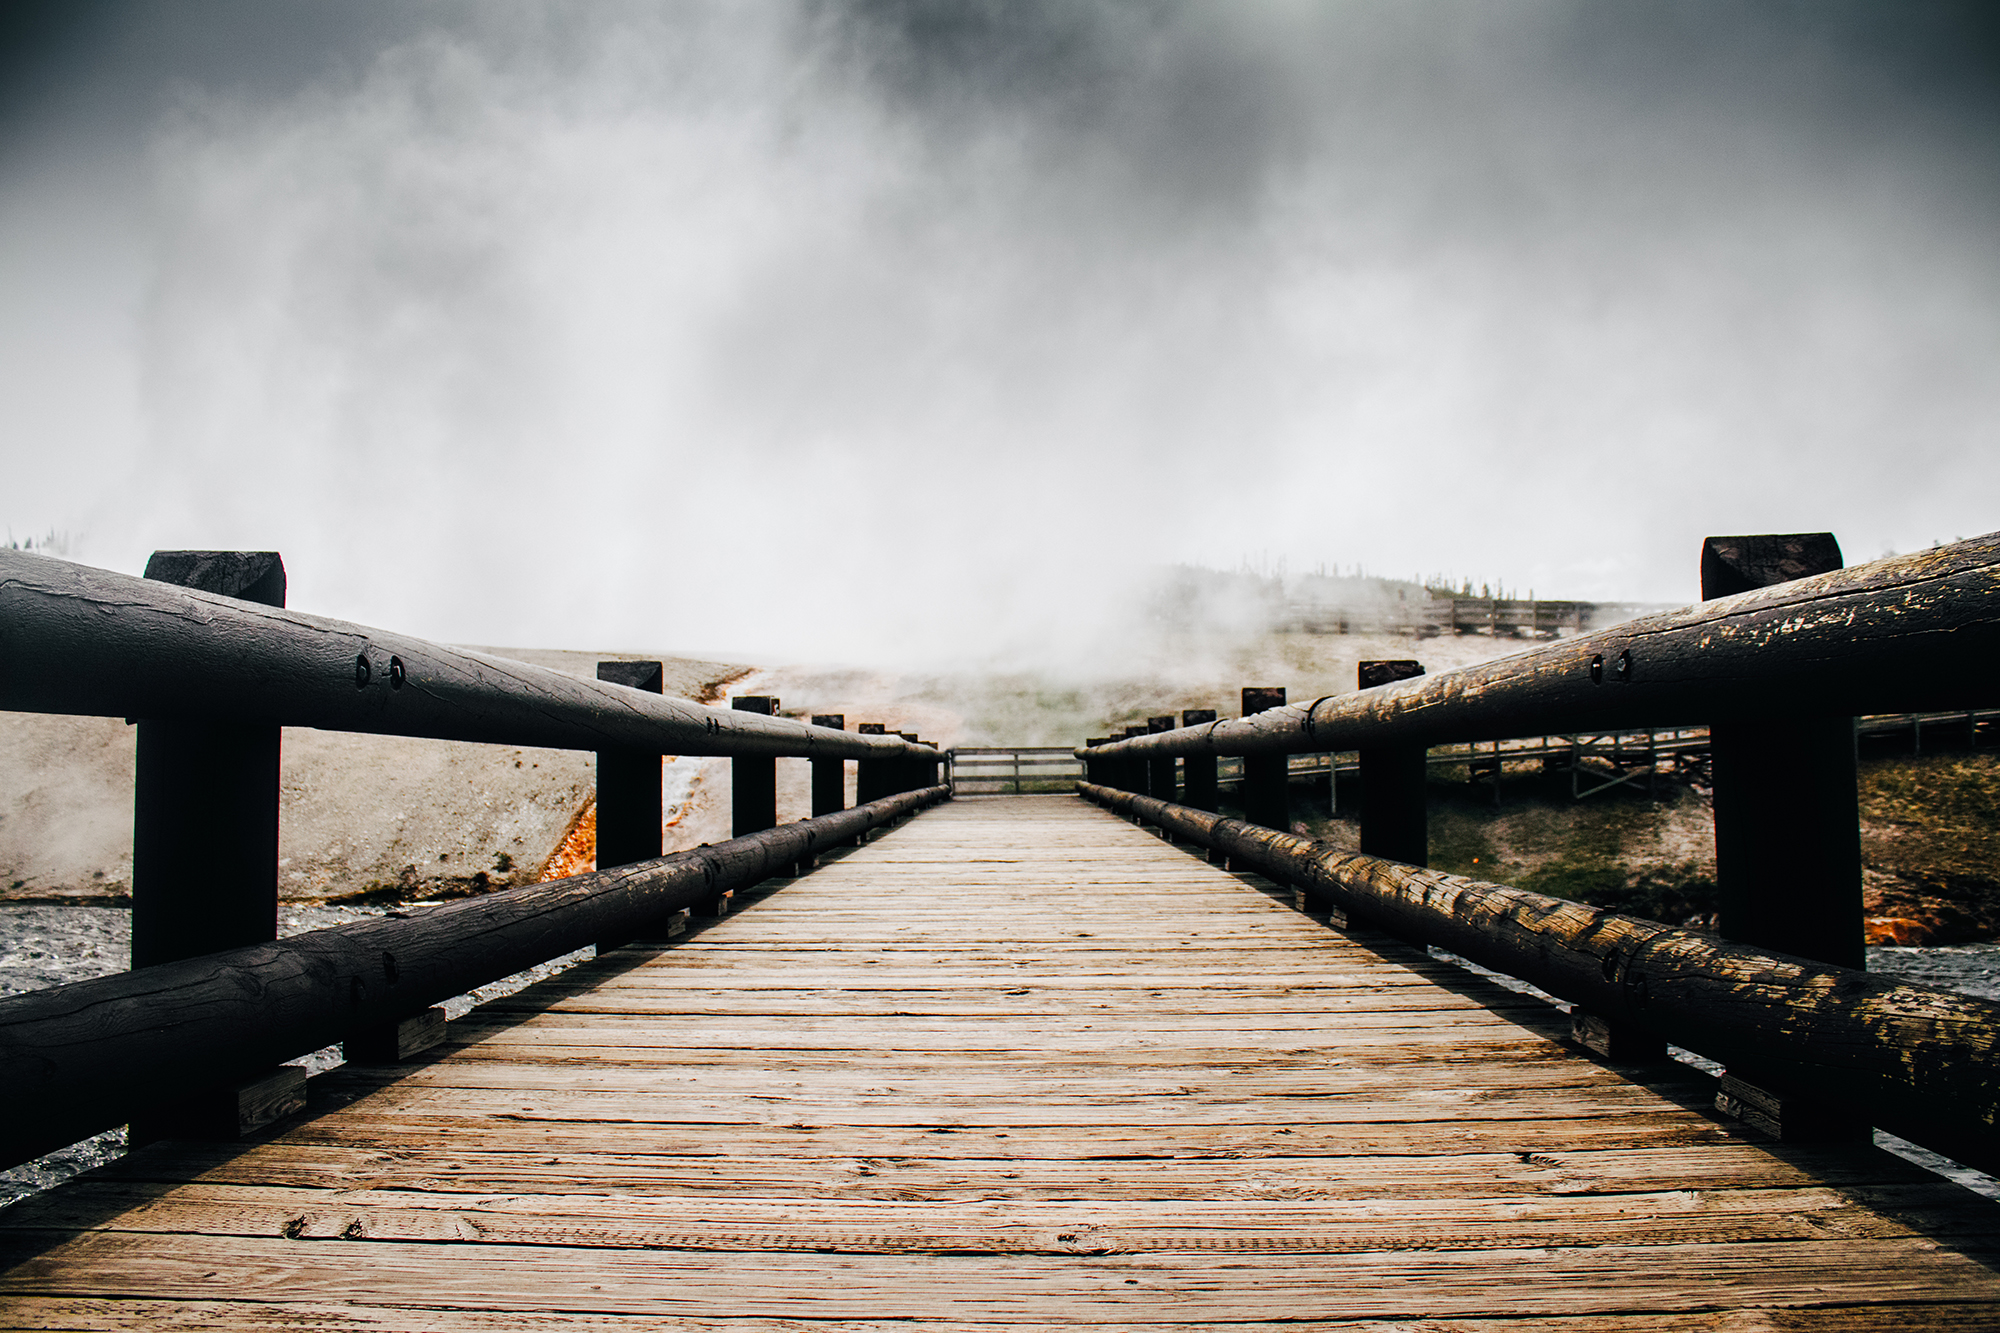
(1501, 617)
(1600, 762)
(1017, 770)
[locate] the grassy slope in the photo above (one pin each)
(1930, 842)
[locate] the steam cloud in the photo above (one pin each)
(880, 332)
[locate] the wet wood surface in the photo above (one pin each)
(1017, 1062)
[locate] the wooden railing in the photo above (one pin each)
(1017, 770)
(214, 999)
(1441, 613)
(1599, 762)
(1800, 1038)
(1776, 665)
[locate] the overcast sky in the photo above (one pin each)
(914, 331)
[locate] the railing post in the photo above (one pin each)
(872, 777)
(753, 779)
(1265, 797)
(899, 768)
(1787, 829)
(1394, 809)
(1198, 770)
(829, 787)
(628, 792)
(628, 781)
(829, 776)
(910, 769)
(205, 799)
(1160, 784)
(1093, 769)
(1787, 822)
(1133, 776)
(205, 848)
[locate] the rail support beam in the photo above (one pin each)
(1787, 841)
(829, 784)
(1787, 832)
(1788, 1117)
(1160, 776)
(628, 795)
(1616, 1043)
(1395, 814)
(1265, 776)
(205, 799)
(1395, 810)
(392, 1043)
(1132, 772)
(1097, 771)
(1197, 770)
(873, 778)
(753, 779)
(829, 776)
(628, 781)
(234, 1111)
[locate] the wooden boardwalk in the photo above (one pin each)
(1017, 1062)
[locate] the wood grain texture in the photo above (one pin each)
(1019, 1063)
(88, 1055)
(1918, 1060)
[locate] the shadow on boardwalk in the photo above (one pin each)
(1015, 1062)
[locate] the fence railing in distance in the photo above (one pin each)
(1018, 770)
(1643, 747)
(1452, 613)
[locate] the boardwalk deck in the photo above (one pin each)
(1017, 1062)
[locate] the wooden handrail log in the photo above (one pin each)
(1906, 634)
(88, 641)
(1920, 1061)
(80, 1058)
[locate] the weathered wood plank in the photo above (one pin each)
(362, 1136)
(1051, 1227)
(1220, 1286)
(149, 1316)
(840, 1167)
(1015, 1063)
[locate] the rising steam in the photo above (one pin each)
(919, 332)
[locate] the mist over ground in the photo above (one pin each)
(920, 333)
